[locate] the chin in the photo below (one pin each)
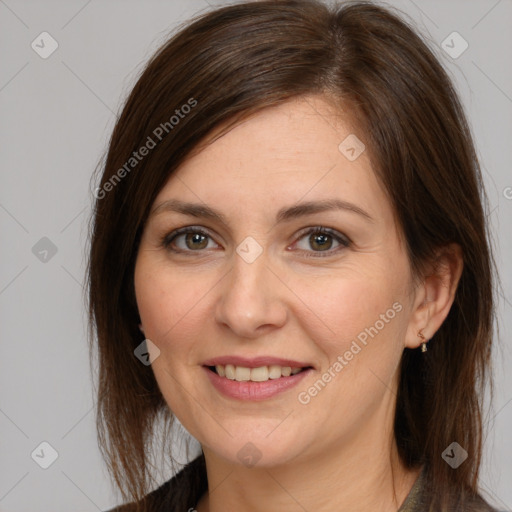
(258, 449)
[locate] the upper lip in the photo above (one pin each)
(255, 362)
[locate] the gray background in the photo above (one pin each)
(56, 115)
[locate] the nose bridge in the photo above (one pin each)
(250, 299)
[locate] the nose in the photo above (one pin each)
(251, 301)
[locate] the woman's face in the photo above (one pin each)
(301, 266)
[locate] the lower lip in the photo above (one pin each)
(253, 391)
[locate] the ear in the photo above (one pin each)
(435, 294)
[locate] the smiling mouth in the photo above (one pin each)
(260, 374)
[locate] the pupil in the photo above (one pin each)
(321, 241)
(192, 240)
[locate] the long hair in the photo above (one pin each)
(230, 63)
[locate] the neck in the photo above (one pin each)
(355, 477)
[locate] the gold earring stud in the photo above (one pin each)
(424, 341)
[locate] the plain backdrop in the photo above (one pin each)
(56, 115)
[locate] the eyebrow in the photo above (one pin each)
(283, 215)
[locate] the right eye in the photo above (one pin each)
(187, 240)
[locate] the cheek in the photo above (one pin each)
(360, 335)
(343, 309)
(361, 338)
(170, 301)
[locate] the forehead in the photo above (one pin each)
(280, 155)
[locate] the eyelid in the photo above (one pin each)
(168, 238)
(342, 239)
(322, 229)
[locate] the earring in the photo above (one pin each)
(141, 329)
(424, 341)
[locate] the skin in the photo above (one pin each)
(291, 303)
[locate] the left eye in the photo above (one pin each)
(321, 240)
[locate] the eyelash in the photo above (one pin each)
(344, 241)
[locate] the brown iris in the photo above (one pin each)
(320, 241)
(197, 241)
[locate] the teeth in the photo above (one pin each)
(261, 374)
(274, 372)
(286, 371)
(230, 371)
(242, 373)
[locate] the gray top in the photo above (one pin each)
(417, 500)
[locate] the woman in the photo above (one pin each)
(289, 255)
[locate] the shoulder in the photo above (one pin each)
(478, 504)
(181, 492)
(422, 494)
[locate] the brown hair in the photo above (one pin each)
(232, 62)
